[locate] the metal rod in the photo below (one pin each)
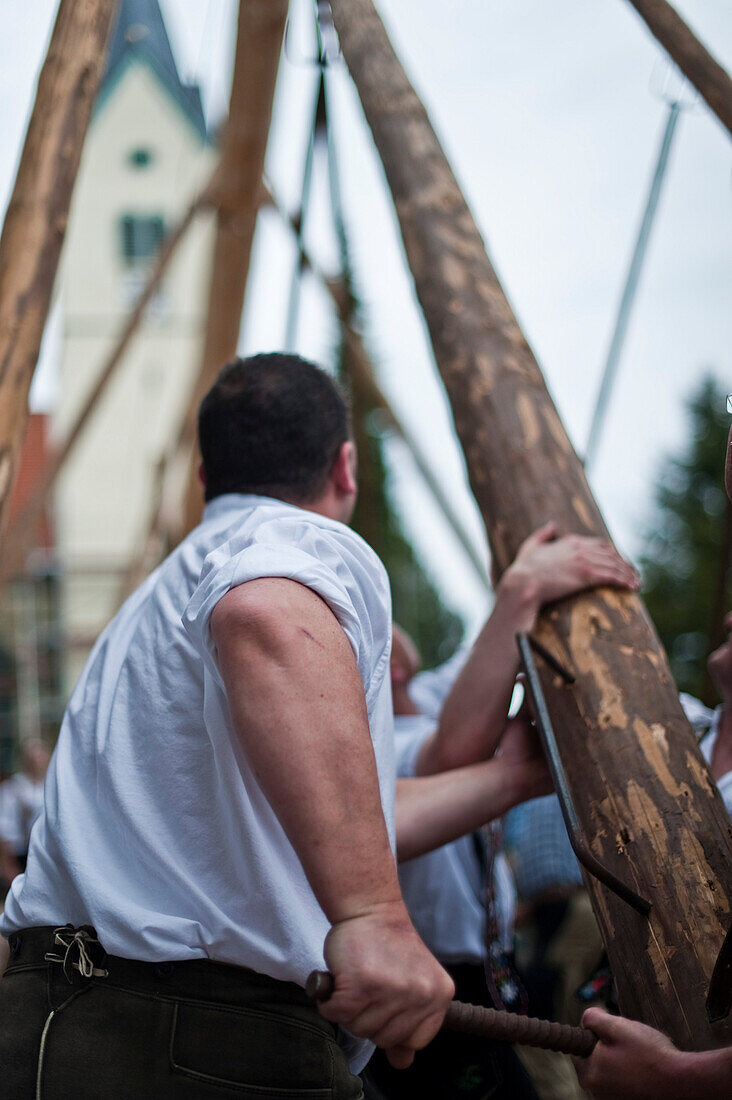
(489, 1023)
(631, 286)
(551, 660)
(293, 305)
(588, 860)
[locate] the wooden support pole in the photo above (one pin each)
(258, 43)
(18, 539)
(643, 795)
(693, 58)
(35, 223)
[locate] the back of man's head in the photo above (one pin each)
(273, 425)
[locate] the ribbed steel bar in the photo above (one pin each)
(504, 1027)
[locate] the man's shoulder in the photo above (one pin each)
(276, 524)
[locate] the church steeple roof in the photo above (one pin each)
(140, 34)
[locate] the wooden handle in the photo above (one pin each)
(507, 1027)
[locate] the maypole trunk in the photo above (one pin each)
(692, 57)
(258, 43)
(35, 223)
(643, 795)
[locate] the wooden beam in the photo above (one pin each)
(643, 794)
(693, 58)
(35, 223)
(18, 538)
(258, 43)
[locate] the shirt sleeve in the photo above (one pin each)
(333, 562)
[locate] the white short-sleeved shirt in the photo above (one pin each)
(445, 890)
(21, 799)
(154, 829)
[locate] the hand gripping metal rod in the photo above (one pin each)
(506, 1027)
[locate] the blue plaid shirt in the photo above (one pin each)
(536, 840)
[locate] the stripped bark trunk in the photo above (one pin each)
(35, 223)
(258, 42)
(692, 57)
(643, 794)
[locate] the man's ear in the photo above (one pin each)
(343, 474)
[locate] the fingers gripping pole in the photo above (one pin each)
(507, 1027)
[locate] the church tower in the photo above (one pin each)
(146, 156)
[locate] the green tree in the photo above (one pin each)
(687, 559)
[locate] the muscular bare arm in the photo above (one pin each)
(297, 704)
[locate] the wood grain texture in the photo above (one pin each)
(35, 223)
(643, 794)
(258, 42)
(692, 57)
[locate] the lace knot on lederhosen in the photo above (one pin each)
(82, 952)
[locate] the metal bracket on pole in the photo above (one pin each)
(541, 713)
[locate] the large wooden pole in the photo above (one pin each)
(35, 223)
(258, 43)
(643, 795)
(693, 58)
(18, 539)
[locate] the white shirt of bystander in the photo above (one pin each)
(21, 800)
(445, 890)
(155, 830)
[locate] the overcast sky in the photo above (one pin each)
(551, 115)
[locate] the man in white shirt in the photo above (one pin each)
(222, 793)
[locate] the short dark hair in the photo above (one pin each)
(271, 424)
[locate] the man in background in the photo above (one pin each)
(21, 800)
(218, 813)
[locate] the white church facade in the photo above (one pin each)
(146, 156)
